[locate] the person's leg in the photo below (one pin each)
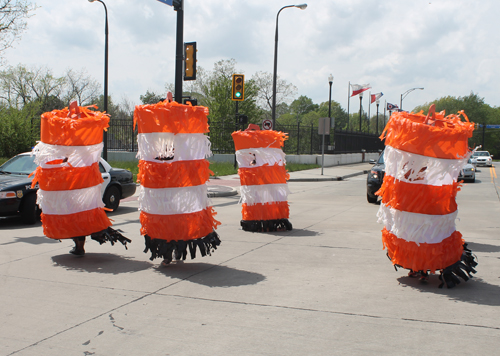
(79, 249)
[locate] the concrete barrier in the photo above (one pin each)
(330, 159)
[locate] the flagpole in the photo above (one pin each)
(348, 104)
(369, 106)
(385, 107)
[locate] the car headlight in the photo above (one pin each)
(374, 174)
(7, 195)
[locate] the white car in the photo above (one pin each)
(482, 158)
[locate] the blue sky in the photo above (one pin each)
(449, 47)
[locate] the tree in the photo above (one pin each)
(151, 97)
(303, 105)
(81, 87)
(264, 82)
(13, 15)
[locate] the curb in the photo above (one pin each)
(216, 191)
(329, 179)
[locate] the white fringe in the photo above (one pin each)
(419, 228)
(183, 147)
(256, 157)
(170, 201)
(78, 156)
(438, 172)
(65, 202)
(267, 193)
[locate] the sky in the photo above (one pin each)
(447, 47)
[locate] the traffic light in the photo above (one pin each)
(238, 89)
(189, 61)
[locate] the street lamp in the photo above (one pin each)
(302, 7)
(105, 108)
(405, 94)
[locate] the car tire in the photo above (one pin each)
(30, 212)
(112, 197)
(371, 200)
(473, 180)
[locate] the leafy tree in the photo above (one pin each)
(151, 97)
(18, 129)
(13, 15)
(264, 82)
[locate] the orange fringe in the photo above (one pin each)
(419, 198)
(73, 225)
(423, 257)
(256, 139)
(179, 226)
(266, 211)
(266, 174)
(171, 117)
(67, 178)
(173, 175)
(447, 139)
(59, 127)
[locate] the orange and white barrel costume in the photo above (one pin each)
(68, 175)
(418, 207)
(263, 177)
(173, 171)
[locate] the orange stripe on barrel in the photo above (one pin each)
(256, 139)
(266, 174)
(67, 178)
(173, 175)
(419, 198)
(68, 226)
(179, 226)
(266, 211)
(423, 257)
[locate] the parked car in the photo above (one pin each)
(18, 198)
(375, 178)
(482, 158)
(468, 172)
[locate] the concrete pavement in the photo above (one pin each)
(324, 288)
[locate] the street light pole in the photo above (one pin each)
(273, 109)
(179, 49)
(378, 102)
(330, 81)
(405, 94)
(105, 108)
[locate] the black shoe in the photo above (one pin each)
(77, 252)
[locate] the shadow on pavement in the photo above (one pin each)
(475, 290)
(294, 232)
(34, 240)
(100, 263)
(477, 247)
(210, 275)
(15, 222)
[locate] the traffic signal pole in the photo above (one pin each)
(179, 49)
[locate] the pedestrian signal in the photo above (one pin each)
(238, 89)
(189, 61)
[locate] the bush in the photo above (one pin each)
(19, 130)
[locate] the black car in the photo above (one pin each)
(18, 198)
(375, 178)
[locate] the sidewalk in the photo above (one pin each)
(227, 185)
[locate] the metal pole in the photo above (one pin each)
(348, 104)
(106, 35)
(323, 146)
(179, 50)
(360, 101)
(376, 131)
(330, 81)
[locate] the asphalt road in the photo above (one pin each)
(324, 288)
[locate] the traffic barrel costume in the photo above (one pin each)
(263, 177)
(173, 171)
(68, 175)
(423, 157)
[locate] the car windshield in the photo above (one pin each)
(22, 164)
(381, 159)
(481, 153)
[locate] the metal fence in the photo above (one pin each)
(302, 139)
